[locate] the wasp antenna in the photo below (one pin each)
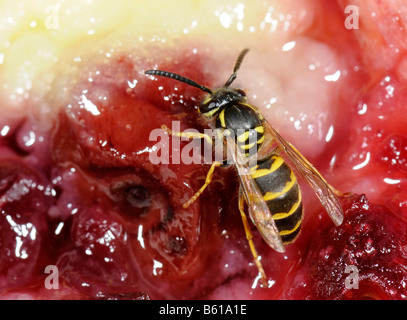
(237, 66)
(177, 77)
(240, 59)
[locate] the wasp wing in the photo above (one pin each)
(322, 189)
(258, 209)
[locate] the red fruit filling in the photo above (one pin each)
(364, 258)
(85, 196)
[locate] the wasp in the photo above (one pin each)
(268, 185)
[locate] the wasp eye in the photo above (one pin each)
(209, 106)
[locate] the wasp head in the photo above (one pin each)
(219, 99)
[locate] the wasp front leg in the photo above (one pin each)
(249, 237)
(188, 135)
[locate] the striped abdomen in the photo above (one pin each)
(282, 194)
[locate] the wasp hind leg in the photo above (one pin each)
(249, 237)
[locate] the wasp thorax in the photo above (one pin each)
(219, 99)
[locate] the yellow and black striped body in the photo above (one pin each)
(272, 175)
(247, 125)
(282, 194)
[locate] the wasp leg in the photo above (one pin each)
(249, 237)
(188, 135)
(195, 135)
(207, 182)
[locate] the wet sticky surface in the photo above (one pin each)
(78, 189)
